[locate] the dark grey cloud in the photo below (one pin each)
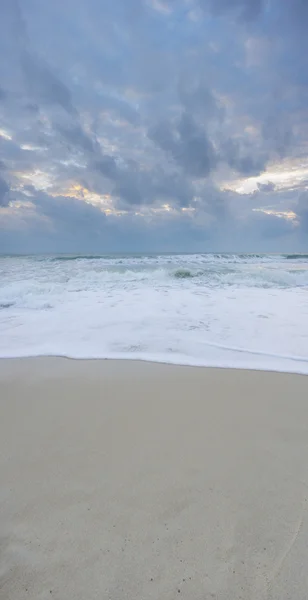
(187, 144)
(135, 187)
(278, 132)
(142, 188)
(2, 95)
(119, 107)
(270, 227)
(107, 166)
(266, 187)
(73, 217)
(76, 137)
(4, 191)
(278, 11)
(244, 160)
(44, 85)
(190, 147)
(302, 212)
(197, 98)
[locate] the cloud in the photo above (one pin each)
(67, 224)
(197, 98)
(119, 107)
(2, 95)
(157, 187)
(266, 187)
(187, 144)
(243, 160)
(45, 86)
(270, 227)
(278, 132)
(248, 10)
(76, 137)
(4, 190)
(71, 216)
(155, 106)
(133, 187)
(302, 212)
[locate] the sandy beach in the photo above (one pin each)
(123, 480)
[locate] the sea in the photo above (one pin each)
(219, 310)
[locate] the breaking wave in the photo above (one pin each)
(183, 274)
(239, 310)
(296, 257)
(77, 257)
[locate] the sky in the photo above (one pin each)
(153, 125)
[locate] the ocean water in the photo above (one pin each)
(241, 310)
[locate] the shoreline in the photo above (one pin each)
(148, 361)
(140, 480)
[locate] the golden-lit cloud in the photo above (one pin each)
(76, 190)
(287, 175)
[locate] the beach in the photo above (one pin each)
(130, 480)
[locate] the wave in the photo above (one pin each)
(296, 256)
(207, 256)
(184, 274)
(77, 257)
(193, 309)
(4, 305)
(179, 261)
(260, 278)
(234, 256)
(109, 257)
(203, 257)
(41, 289)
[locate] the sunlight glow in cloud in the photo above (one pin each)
(285, 176)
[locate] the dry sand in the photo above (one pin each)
(139, 481)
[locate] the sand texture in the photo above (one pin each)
(138, 481)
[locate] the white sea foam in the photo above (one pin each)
(247, 311)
